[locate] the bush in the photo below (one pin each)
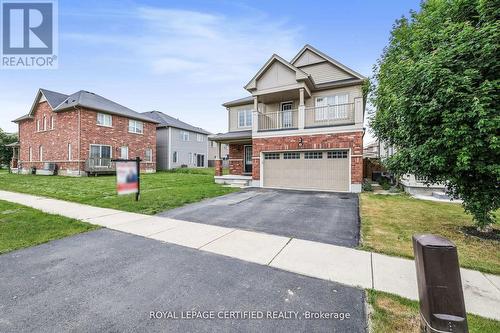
(367, 187)
(384, 183)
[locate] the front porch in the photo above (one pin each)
(240, 157)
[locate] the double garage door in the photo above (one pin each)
(315, 170)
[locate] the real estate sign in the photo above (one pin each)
(127, 177)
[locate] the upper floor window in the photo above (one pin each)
(244, 118)
(38, 125)
(199, 137)
(52, 122)
(148, 155)
(332, 107)
(184, 136)
(104, 119)
(44, 123)
(135, 126)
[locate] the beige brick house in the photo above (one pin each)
(80, 134)
(301, 128)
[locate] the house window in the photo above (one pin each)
(40, 153)
(135, 126)
(148, 155)
(212, 144)
(190, 158)
(272, 156)
(331, 107)
(199, 137)
(100, 155)
(174, 157)
(44, 123)
(291, 156)
(184, 136)
(69, 152)
(30, 154)
(124, 153)
(310, 155)
(52, 122)
(337, 154)
(104, 119)
(244, 118)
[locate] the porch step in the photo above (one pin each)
(233, 180)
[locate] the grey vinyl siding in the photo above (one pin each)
(162, 148)
(183, 148)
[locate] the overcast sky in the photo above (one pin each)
(186, 58)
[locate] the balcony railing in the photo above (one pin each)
(330, 115)
(278, 120)
(99, 165)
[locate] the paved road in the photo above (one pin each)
(318, 216)
(108, 281)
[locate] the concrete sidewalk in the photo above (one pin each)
(324, 261)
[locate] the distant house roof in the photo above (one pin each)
(60, 102)
(165, 120)
(240, 101)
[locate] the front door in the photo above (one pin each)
(248, 159)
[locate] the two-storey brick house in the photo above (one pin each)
(81, 133)
(301, 128)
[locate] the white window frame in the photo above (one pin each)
(40, 153)
(30, 154)
(329, 108)
(247, 118)
(184, 135)
(52, 122)
(150, 157)
(135, 126)
(104, 119)
(44, 123)
(69, 152)
(199, 137)
(38, 125)
(124, 148)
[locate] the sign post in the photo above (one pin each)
(128, 179)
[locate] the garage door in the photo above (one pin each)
(316, 170)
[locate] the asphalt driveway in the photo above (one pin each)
(318, 216)
(108, 281)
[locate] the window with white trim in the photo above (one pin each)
(337, 154)
(124, 152)
(44, 123)
(190, 158)
(69, 152)
(313, 155)
(40, 153)
(148, 155)
(271, 156)
(52, 122)
(38, 125)
(200, 138)
(244, 118)
(104, 119)
(174, 157)
(135, 126)
(30, 154)
(184, 136)
(291, 156)
(331, 107)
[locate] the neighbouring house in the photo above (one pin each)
(179, 144)
(212, 153)
(301, 128)
(79, 134)
(377, 151)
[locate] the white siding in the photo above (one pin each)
(326, 72)
(276, 75)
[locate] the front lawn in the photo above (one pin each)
(21, 226)
(159, 191)
(394, 314)
(389, 221)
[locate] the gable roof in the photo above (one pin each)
(299, 74)
(239, 101)
(327, 58)
(164, 120)
(60, 102)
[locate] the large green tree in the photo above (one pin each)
(436, 91)
(6, 152)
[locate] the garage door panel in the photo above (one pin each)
(314, 173)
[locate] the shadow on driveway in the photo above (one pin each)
(325, 217)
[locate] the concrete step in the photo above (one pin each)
(440, 195)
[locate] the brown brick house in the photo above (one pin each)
(81, 133)
(301, 128)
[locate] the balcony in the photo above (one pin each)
(280, 120)
(330, 115)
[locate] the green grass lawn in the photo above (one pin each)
(394, 314)
(21, 226)
(159, 191)
(388, 223)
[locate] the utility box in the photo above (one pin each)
(442, 307)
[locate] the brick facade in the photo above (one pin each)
(79, 129)
(218, 167)
(236, 159)
(352, 141)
